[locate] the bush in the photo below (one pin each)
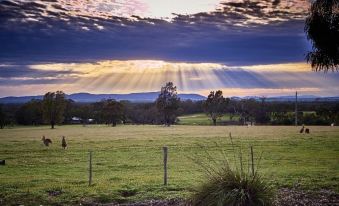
(225, 186)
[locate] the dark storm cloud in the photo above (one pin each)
(236, 34)
(15, 71)
(11, 75)
(35, 81)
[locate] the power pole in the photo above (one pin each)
(296, 108)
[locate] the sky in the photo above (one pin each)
(243, 47)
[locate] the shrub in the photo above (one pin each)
(226, 186)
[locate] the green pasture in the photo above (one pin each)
(127, 160)
(203, 119)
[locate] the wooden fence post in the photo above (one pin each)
(90, 169)
(165, 150)
(252, 160)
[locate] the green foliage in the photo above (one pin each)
(252, 110)
(231, 186)
(112, 111)
(328, 114)
(30, 113)
(262, 116)
(322, 28)
(53, 107)
(168, 103)
(203, 119)
(236, 112)
(2, 117)
(142, 113)
(215, 105)
(282, 118)
(322, 116)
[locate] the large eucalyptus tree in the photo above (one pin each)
(322, 29)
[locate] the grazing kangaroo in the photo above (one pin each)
(46, 141)
(63, 142)
(307, 130)
(302, 129)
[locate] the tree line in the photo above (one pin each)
(55, 109)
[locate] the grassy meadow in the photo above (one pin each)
(127, 160)
(202, 119)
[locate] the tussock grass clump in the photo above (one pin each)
(230, 188)
(227, 186)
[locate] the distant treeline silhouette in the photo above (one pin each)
(54, 109)
(113, 112)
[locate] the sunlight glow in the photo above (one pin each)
(169, 9)
(289, 67)
(143, 8)
(116, 76)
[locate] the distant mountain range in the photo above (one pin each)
(301, 98)
(87, 97)
(151, 96)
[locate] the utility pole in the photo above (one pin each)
(296, 108)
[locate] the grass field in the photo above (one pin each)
(127, 160)
(202, 119)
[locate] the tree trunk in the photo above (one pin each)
(167, 121)
(114, 124)
(52, 124)
(214, 122)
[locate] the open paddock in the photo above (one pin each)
(128, 160)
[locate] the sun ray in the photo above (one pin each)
(117, 76)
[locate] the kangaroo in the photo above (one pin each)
(302, 129)
(63, 142)
(307, 130)
(46, 141)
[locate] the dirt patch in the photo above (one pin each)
(294, 197)
(172, 202)
(285, 197)
(128, 192)
(54, 193)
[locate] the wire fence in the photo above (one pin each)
(284, 162)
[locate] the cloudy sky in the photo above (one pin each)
(244, 47)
